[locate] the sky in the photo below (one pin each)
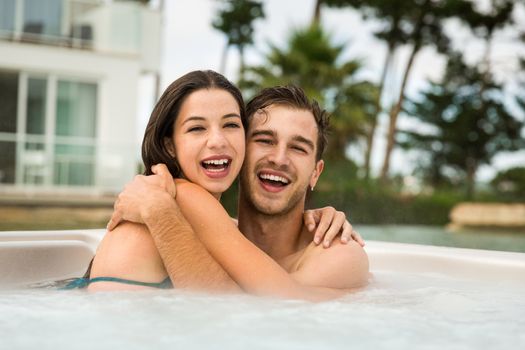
(190, 42)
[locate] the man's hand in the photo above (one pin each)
(140, 195)
(328, 222)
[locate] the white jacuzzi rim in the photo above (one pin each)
(390, 256)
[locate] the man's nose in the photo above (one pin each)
(279, 156)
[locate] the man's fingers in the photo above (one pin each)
(116, 218)
(323, 225)
(349, 234)
(357, 237)
(309, 220)
(346, 235)
(335, 227)
(162, 171)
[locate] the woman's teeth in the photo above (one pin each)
(215, 164)
(216, 161)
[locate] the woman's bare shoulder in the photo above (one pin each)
(128, 251)
(191, 192)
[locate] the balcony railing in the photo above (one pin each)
(127, 27)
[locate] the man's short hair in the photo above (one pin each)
(293, 97)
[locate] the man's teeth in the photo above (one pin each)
(274, 178)
(216, 162)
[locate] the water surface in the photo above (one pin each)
(397, 311)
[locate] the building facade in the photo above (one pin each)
(69, 79)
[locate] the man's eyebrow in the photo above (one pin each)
(262, 133)
(304, 140)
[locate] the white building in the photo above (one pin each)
(69, 76)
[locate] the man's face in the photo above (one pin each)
(280, 160)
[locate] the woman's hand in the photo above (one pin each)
(141, 195)
(328, 223)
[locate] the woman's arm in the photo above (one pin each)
(129, 251)
(249, 266)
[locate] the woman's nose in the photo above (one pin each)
(216, 139)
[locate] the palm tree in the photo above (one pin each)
(389, 13)
(469, 121)
(235, 19)
(313, 62)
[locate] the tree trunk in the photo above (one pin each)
(371, 132)
(241, 63)
(317, 13)
(471, 173)
(224, 58)
(394, 112)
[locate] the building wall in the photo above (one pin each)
(117, 77)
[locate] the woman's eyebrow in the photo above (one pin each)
(231, 115)
(193, 118)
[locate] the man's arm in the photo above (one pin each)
(188, 263)
(342, 266)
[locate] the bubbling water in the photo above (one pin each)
(396, 311)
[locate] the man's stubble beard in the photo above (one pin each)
(265, 207)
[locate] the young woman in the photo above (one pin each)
(197, 130)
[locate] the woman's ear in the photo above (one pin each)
(168, 143)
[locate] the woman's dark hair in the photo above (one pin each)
(166, 111)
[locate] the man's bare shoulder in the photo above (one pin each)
(342, 266)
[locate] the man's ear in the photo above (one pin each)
(168, 143)
(319, 166)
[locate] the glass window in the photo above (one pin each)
(7, 15)
(43, 17)
(7, 162)
(76, 109)
(8, 101)
(35, 166)
(76, 116)
(74, 165)
(36, 106)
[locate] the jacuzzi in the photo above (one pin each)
(422, 297)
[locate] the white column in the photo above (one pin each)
(19, 19)
(51, 103)
(21, 116)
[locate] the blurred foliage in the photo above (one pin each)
(510, 183)
(463, 119)
(468, 125)
(373, 202)
(312, 61)
(235, 19)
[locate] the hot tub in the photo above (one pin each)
(421, 297)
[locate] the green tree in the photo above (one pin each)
(389, 13)
(313, 62)
(426, 21)
(235, 19)
(465, 128)
(510, 182)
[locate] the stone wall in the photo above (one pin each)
(488, 214)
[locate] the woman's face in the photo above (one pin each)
(209, 139)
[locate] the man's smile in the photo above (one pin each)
(273, 181)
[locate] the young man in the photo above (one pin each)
(285, 140)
